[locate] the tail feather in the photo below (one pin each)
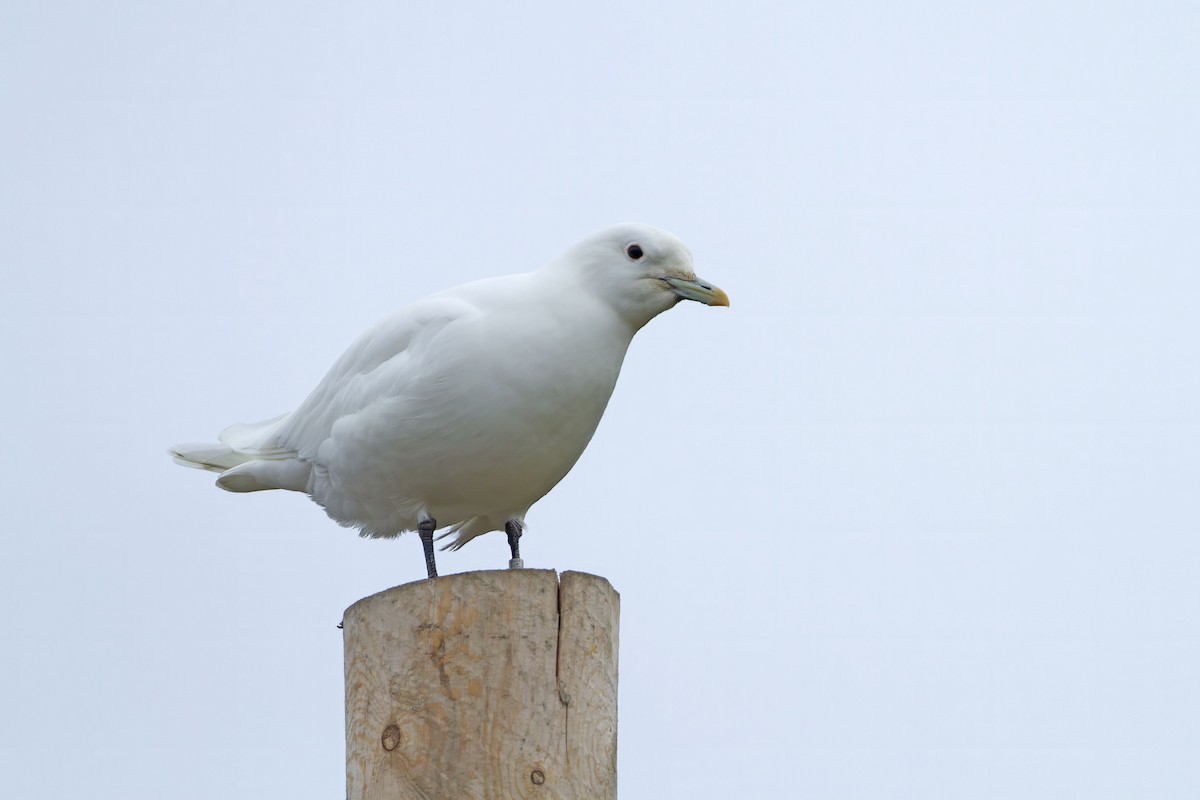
(259, 474)
(255, 437)
(212, 457)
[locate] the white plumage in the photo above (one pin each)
(468, 406)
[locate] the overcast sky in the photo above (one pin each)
(916, 518)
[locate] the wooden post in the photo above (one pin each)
(498, 684)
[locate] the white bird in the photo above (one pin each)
(465, 408)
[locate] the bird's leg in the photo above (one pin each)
(425, 528)
(513, 529)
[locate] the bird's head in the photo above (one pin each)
(641, 271)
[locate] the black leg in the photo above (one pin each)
(426, 528)
(513, 529)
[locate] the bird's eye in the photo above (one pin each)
(634, 251)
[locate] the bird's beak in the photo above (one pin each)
(699, 290)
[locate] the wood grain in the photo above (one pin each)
(476, 686)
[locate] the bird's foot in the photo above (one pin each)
(513, 529)
(425, 529)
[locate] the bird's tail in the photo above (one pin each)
(247, 460)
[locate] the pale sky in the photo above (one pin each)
(917, 517)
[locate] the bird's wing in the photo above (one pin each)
(378, 366)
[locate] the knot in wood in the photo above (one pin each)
(391, 737)
(538, 777)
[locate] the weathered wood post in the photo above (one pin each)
(498, 684)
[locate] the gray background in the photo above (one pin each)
(916, 517)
